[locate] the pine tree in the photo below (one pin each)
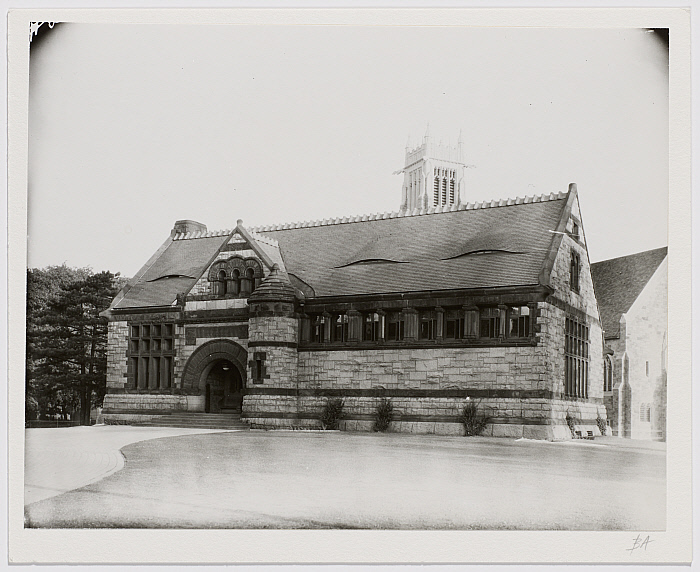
(67, 344)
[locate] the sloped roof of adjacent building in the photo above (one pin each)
(618, 282)
(483, 245)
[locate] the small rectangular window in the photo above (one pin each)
(519, 318)
(395, 326)
(454, 324)
(370, 332)
(318, 329)
(340, 328)
(490, 323)
(428, 326)
(574, 231)
(647, 367)
(134, 331)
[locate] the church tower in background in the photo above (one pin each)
(433, 175)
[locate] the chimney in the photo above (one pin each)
(185, 226)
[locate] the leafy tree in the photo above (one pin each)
(67, 341)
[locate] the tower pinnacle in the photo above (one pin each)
(433, 174)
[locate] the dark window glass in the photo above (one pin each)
(490, 323)
(575, 271)
(395, 326)
(339, 331)
(519, 319)
(454, 324)
(318, 329)
(370, 330)
(576, 358)
(427, 326)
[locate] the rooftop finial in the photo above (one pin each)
(427, 131)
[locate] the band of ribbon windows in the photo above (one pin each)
(470, 322)
(576, 356)
(151, 356)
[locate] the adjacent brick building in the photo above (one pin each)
(429, 307)
(633, 295)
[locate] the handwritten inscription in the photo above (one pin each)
(640, 543)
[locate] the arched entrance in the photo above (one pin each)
(217, 369)
(223, 388)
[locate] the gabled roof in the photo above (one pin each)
(483, 245)
(174, 272)
(619, 282)
(182, 260)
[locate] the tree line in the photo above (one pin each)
(66, 361)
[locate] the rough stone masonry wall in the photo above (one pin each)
(272, 400)
(276, 337)
(428, 389)
(117, 346)
(584, 411)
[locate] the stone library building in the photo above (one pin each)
(433, 306)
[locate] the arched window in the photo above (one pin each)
(248, 282)
(236, 282)
(575, 271)
(219, 285)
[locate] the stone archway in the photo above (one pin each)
(218, 370)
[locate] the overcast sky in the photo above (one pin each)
(135, 126)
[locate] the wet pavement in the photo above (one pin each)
(361, 480)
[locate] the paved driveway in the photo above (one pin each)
(61, 460)
(360, 480)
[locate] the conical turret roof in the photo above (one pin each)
(275, 288)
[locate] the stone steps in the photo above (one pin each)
(199, 421)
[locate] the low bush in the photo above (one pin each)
(382, 416)
(332, 414)
(571, 422)
(474, 421)
(602, 424)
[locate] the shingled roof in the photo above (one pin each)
(174, 271)
(618, 282)
(483, 245)
(472, 248)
